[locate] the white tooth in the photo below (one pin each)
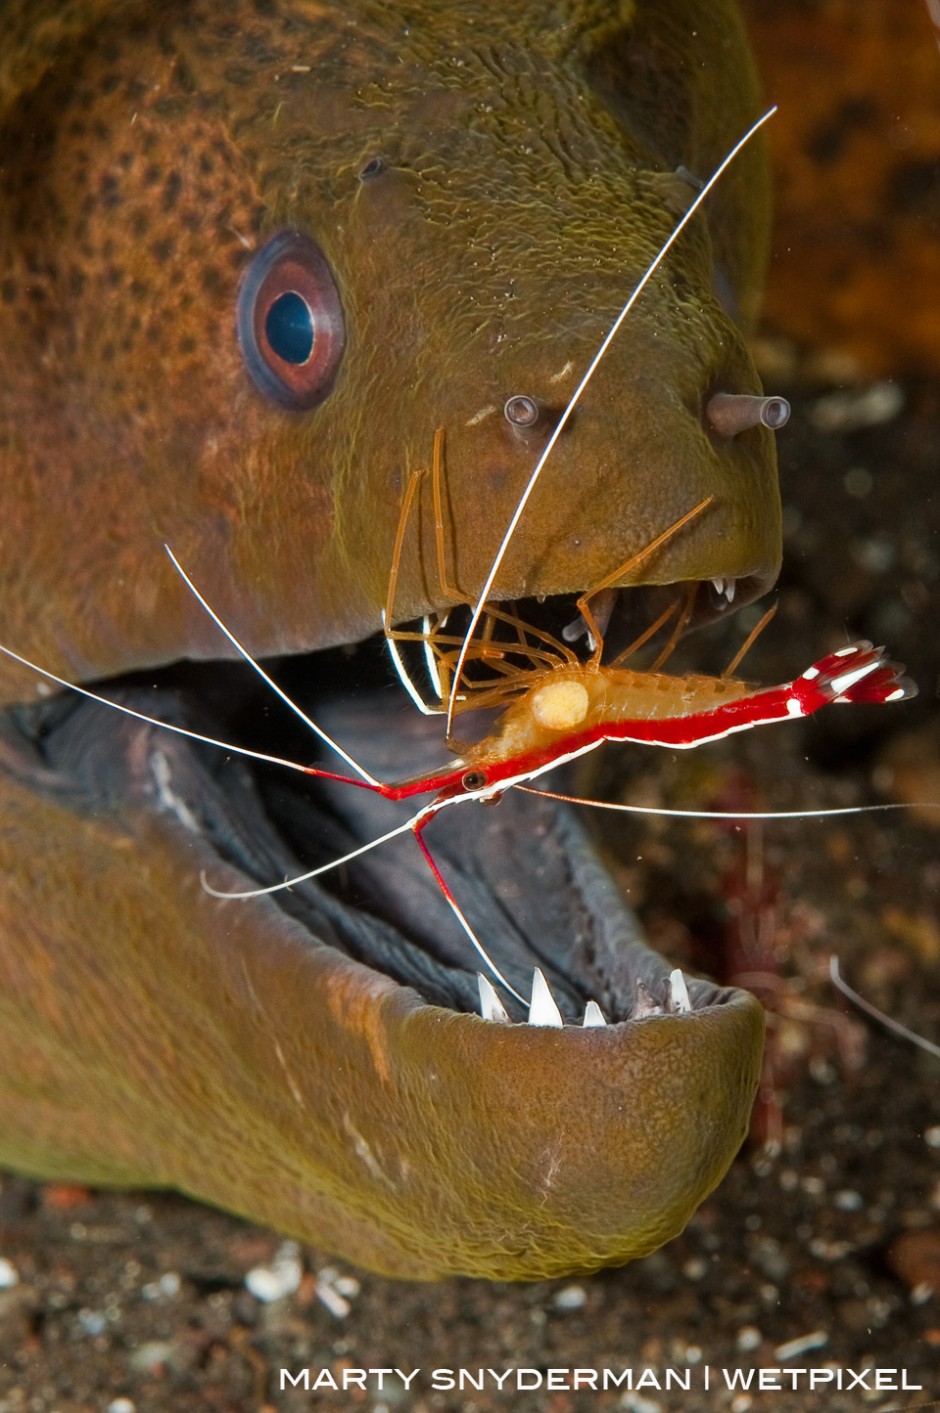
(731, 590)
(719, 586)
(592, 1015)
(542, 1007)
(679, 991)
(491, 1007)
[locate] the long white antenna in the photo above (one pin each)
(887, 1021)
(312, 872)
(565, 416)
(308, 721)
(823, 812)
(156, 720)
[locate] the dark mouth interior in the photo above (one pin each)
(523, 869)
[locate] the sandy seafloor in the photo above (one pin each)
(825, 1256)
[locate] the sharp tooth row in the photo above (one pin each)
(593, 1015)
(678, 992)
(543, 1009)
(725, 588)
(491, 1007)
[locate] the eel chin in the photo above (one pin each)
(316, 1058)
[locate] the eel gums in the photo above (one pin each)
(253, 256)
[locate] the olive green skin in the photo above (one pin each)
(149, 1036)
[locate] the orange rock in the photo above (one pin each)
(856, 253)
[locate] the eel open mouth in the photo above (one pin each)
(535, 1160)
(523, 870)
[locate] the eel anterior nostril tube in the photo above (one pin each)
(521, 411)
(730, 413)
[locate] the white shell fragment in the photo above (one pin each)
(542, 1007)
(281, 1278)
(491, 1007)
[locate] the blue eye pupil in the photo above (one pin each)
(288, 327)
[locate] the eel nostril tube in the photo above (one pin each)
(730, 413)
(521, 411)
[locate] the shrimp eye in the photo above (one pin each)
(473, 780)
(290, 322)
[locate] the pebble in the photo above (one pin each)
(749, 1339)
(281, 1278)
(329, 1296)
(915, 1258)
(802, 1345)
(93, 1322)
(151, 1355)
(634, 1403)
(850, 409)
(165, 1288)
(571, 1297)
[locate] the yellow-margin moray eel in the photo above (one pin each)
(252, 255)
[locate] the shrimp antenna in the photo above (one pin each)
(299, 878)
(269, 681)
(172, 726)
(575, 398)
(887, 1021)
(416, 826)
(661, 811)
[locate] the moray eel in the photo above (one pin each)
(253, 256)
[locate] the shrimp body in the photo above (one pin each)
(572, 709)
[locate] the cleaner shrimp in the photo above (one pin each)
(559, 708)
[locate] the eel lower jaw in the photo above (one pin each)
(316, 1059)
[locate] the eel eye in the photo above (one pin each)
(290, 322)
(473, 780)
